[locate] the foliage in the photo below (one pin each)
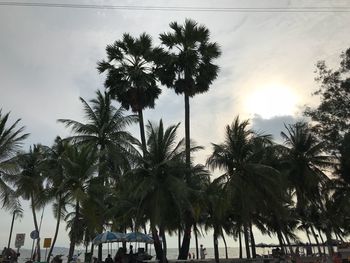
(332, 115)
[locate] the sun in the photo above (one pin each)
(271, 100)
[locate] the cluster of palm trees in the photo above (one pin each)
(102, 177)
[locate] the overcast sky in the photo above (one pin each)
(48, 60)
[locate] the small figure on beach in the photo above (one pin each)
(131, 250)
(109, 259)
(203, 252)
(308, 249)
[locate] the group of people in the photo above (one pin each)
(202, 253)
(120, 256)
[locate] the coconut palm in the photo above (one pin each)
(57, 191)
(29, 183)
(305, 162)
(188, 68)
(159, 183)
(11, 140)
(79, 164)
(131, 79)
(105, 130)
(249, 183)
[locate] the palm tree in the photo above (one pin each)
(249, 182)
(79, 165)
(29, 183)
(305, 162)
(11, 140)
(188, 69)
(131, 78)
(57, 190)
(105, 130)
(159, 184)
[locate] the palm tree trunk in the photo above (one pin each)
(216, 247)
(157, 244)
(280, 240)
(73, 239)
(91, 252)
(329, 241)
(240, 243)
(11, 229)
(246, 239)
(185, 247)
(288, 243)
(165, 248)
(316, 239)
(57, 226)
(36, 227)
(196, 239)
(223, 239)
(322, 240)
(252, 240)
(179, 240)
(187, 133)
(142, 132)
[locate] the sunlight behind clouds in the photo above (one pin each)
(271, 100)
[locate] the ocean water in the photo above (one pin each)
(172, 253)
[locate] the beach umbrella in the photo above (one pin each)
(107, 237)
(138, 237)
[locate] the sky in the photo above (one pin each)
(48, 60)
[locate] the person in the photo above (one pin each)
(308, 249)
(109, 259)
(131, 251)
(203, 252)
(189, 255)
(193, 255)
(119, 255)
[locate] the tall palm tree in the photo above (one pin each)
(131, 78)
(29, 183)
(187, 67)
(248, 181)
(57, 190)
(305, 162)
(159, 184)
(105, 131)
(79, 165)
(11, 140)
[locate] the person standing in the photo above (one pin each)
(203, 252)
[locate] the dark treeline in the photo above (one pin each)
(103, 177)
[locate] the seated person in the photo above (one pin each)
(109, 259)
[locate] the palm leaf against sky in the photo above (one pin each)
(11, 140)
(305, 161)
(104, 129)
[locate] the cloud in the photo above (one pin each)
(274, 125)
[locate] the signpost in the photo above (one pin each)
(19, 242)
(47, 244)
(33, 235)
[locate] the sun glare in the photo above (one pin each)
(272, 100)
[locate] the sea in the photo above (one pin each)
(172, 253)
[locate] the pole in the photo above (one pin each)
(11, 229)
(45, 252)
